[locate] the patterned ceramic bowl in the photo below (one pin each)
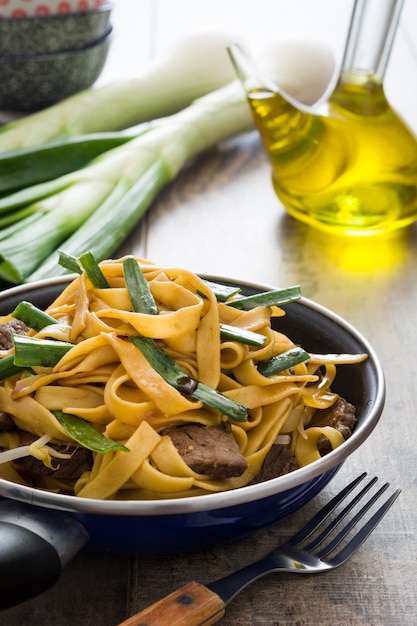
(35, 81)
(25, 8)
(53, 33)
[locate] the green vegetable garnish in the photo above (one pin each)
(33, 317)
(242, 335)
(176, 376)
(283, 361)
(8, 367)
(222, 292)
(69, 262)
(86, 435)
(32, 352)
(93, 270)
(138, 288)
(267, 298)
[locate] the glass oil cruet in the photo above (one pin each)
(348, 166)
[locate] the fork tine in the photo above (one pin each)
(364, 532)
(326, 532)
(324, 512)
(346, 530)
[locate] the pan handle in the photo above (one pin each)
(35, 545)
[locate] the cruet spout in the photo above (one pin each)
(252, 78)
(247, 72)
(301, 71)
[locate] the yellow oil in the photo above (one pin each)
(349, 170)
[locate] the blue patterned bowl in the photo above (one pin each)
(35, 81)
(53, 33)
(194, 523)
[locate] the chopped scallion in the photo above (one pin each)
(69, 262)
(8, 367)
(283, 361)
(176, 376)
(32, 352)
(267, 298)
(138, 288)
(33, 317)
(93, 271)
(86, 435)
(222, 292)
(242, 335)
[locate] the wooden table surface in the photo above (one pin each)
(221, 217)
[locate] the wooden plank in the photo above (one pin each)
(221, 217)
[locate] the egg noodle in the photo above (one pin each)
(106, 380)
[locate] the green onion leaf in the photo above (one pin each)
(176, 376)
(31, 352)
(8, 367)
(86, 435)
(138, 288)
(117, 214)
(33, 317)
(222, 292)
(36, 164)
(69, 262)
(283, 361)
(93, 271)
(267, 298)
(242, 335)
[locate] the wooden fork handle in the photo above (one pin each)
(191, 605)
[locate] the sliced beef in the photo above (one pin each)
(278, 461)
(69, 469)
(341, 416)
(6, 422)
(209, 450)
(9, 328)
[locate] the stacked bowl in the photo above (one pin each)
(50, 49)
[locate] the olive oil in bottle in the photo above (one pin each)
(351, 166)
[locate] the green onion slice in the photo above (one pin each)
(93, 270)
(267, 298)
(174, 375)
(31, 352)
(86, 435)
(138, 288)
(8, 367)
(69, 262)
(33, 317)
(283, 361)
(222, 292)
(242, 335)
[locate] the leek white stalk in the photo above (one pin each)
(102, 202)
(195, 66)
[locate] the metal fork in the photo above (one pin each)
(195, 604)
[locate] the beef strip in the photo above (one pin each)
(9, 328)
(6, 422)
(341, 416)
(209, 450)
(278, 461)
(6, 342)
(68, 469)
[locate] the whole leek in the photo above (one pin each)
(96, 207)
(195, 66)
